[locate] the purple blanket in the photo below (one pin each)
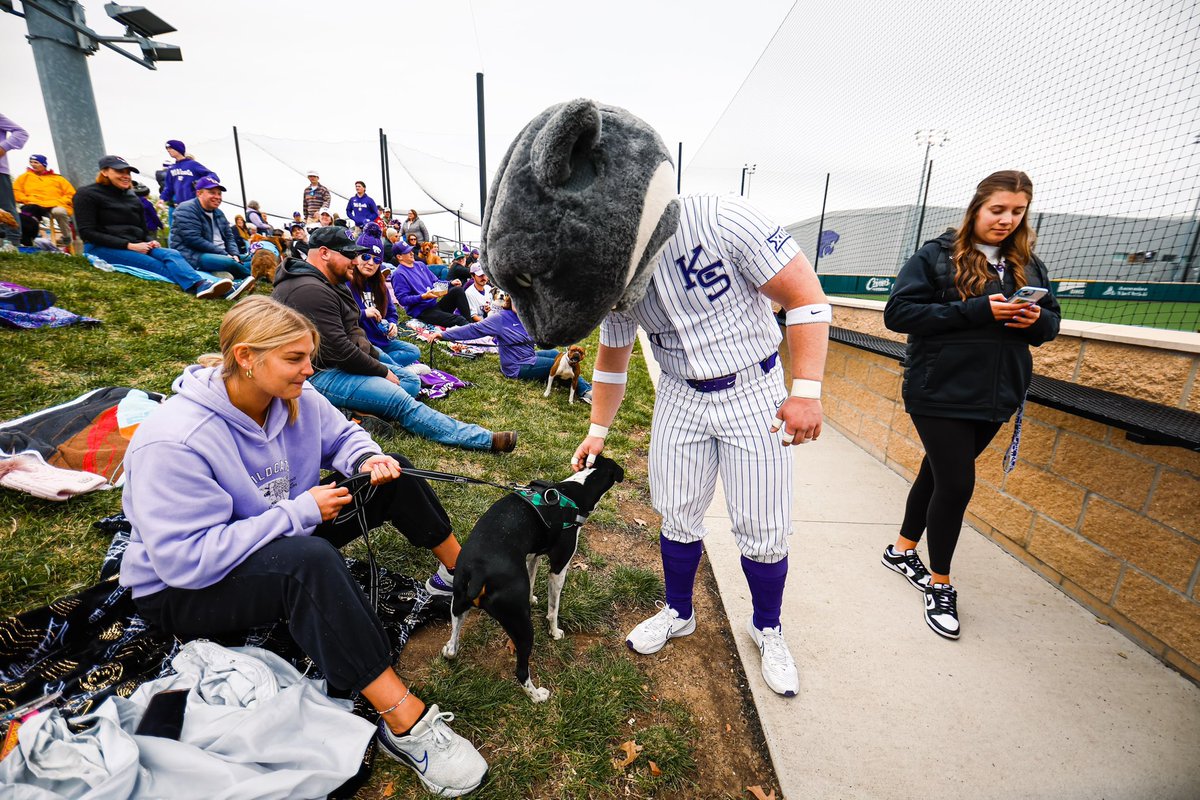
(50, 317)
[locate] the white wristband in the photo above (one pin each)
(804, 315)
(809, 390)
(597, 430)
(599, 376)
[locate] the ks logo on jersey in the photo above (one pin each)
(711, 278)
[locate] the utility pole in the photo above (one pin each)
(61, 42)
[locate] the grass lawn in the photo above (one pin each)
(562, 748)
(1169, 315)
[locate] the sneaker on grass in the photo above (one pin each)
(651, 635)
(907, 564)
(441, 582)
(212, 290)
(446, 763)
(778, 666)
(941, 609)
(242, 288)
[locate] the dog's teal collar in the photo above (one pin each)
(556, 510)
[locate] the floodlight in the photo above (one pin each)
(139, 19)
(160, 51)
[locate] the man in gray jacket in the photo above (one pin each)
(202, 234)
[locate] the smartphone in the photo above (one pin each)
(164, 715)
(1028, 294)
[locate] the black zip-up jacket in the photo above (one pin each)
(109, 217)
(344, 344)
(960, 362)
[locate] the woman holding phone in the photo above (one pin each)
(966, 369)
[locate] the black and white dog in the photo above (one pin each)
(497, 565)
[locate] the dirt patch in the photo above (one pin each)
(702, 672)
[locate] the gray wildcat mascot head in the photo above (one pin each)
(577, 214)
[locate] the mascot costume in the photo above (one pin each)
(583, 228)
(577, 214)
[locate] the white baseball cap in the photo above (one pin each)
(312, 173)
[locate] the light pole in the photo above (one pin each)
(1189, 246)
(747, 169)
(61, 41)
(930, 137)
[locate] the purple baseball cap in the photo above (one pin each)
(40, 159)
(209, 182)
(401, 248)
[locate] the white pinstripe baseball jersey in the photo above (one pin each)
(703, 312)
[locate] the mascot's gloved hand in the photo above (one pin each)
(577, 214)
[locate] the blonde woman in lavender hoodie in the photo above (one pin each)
(232, 527)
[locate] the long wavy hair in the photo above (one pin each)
(373, 283)
(971, 266)
(263, 325)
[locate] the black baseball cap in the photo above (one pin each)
(116, 162)
(337, 239)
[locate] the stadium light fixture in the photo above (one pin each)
(139, 20)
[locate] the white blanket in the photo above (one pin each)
(253, 728)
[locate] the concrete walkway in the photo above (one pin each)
(1036, 700)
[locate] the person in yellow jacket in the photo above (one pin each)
(40, 191)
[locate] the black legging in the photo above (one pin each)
(944, 485)
(304, 581)
(443, 313)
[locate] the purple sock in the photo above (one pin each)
(680, 561)
(766, 590)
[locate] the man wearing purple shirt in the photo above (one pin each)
(413, 283)
(12, 137)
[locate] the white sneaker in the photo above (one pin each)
(652, 635)
(941, 609)
(778, 667)
(446, 763)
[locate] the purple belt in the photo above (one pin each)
(727, 381)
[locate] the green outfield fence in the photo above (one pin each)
(1173, 306)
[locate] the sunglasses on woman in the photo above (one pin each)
(366, 258)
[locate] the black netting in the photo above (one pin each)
(908, 106)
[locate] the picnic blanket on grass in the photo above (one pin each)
(42, 315)
(92, 645)
(88, 434)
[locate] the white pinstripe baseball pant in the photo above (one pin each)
(694, 435)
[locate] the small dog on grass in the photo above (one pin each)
(497, 565)
(264, 259)
(566, 368)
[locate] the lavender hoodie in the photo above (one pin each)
(206, 486)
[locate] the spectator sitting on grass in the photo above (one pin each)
(299, 248)
(459, 270)
(202, 234)
(349, 374)
(379, 318)
(518, 358)
(478, 293)
(413, 285)
(257, 219)
(239, 227)
(153, 221)
(41, 192)
(112, 225)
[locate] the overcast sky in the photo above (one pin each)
(292, 75)
(1099, 100)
